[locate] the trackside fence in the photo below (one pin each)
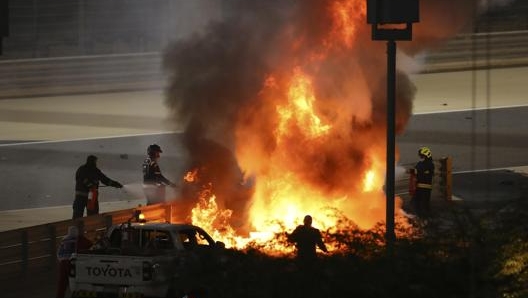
(20, 78)
(32, 250)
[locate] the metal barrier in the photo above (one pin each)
(479, 51)
(81, 74)
(32, 250)
(142, 71)
(445, 175)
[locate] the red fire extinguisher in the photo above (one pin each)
(92, 206)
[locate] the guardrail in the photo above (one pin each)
(142, 71)
(479, 51)
(28, 251)
(32, 250)
(81, 74)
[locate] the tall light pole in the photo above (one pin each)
(391, 20)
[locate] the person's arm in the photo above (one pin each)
(107, 181)
(320, 242)
(294, 235)
(166, 181)
(159, 177)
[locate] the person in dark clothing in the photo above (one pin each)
(309, 274)
(424, 173)
(306, 239)
(154, 182)
(87, 180)
(71, 243)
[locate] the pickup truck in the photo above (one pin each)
(145, 260)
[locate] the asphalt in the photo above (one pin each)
(59, 118)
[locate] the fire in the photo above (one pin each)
(374, 176)
(346, 14)
(309, 145)
(281, 196)
(207, 215)
(300, 108)
(191, 176)
(369, 182)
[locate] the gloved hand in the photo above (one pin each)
(117, 184)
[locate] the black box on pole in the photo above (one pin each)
(392, 11)
(381, 13)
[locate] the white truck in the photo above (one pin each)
(145, 260)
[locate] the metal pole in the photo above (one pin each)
(391, 143)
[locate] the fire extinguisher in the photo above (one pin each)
(92, 205)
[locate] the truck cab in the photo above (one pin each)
(162, 236)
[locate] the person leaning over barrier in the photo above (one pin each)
(154, 182)
(87, 180)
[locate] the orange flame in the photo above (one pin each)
(300, 108)
(346, 16)
(191, 176)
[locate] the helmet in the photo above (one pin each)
(425, 152)
(153, 148)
